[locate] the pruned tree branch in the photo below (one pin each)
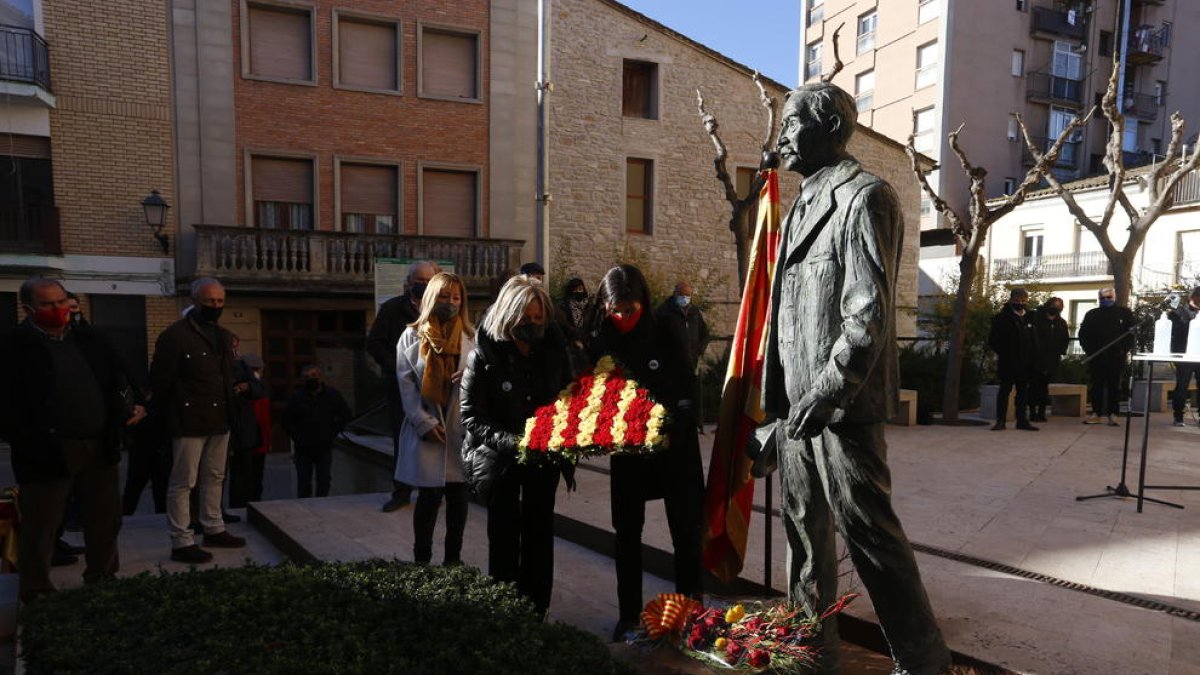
(712, 127)
(769, 103)
(837, 58)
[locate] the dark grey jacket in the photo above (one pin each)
(192, 379)
(833, 324)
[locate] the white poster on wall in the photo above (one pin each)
(390, 274)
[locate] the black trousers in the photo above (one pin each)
(1007, 384)
(147, 466)
(258, 467)
(239, 475)
(309, 461)
(425, 512)
(1184, 372)
(42, 505)
(675, 475)
(521, 531)
(1104, 387)
(1039, 389)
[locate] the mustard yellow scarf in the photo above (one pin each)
(440, 347)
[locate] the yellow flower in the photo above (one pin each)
(720, 643)
(735, 614)
(605, 365)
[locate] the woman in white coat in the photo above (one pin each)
(430, 356)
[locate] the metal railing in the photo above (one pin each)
(24, 57)
(1047, 20)
(1058, 266)
(29, 229)
(1187, 191)
(1045, 86)
(347, 258)
(1142, 106)
(1068, 156)
(1148, 45)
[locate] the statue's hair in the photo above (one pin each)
(820, 101)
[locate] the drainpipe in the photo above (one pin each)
(544, 87)
(1122, 52)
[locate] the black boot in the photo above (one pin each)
(1024, 425)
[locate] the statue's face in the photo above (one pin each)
(805, 143)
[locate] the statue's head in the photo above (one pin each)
(818, 120)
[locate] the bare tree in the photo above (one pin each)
(971, 232)
(1159, 184)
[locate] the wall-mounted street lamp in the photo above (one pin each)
(156, 217)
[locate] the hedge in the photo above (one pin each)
(369, 617)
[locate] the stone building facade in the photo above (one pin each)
(596, 139)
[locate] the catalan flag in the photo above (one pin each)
(730, 490)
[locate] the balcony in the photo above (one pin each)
(1068, 156)
(1148, 46)
(1059, 266)
(1052, 24)
(1044, 87)
(24, 64)
(1187, 190)
(1142, 106)
(319, 261)
(30, 230)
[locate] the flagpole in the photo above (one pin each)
(767, 494)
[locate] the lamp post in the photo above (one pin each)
(155, 208)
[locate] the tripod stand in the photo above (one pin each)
(1122, 490)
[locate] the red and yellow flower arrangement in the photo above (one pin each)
(603, 412)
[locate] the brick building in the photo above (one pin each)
(630, 165)
(85, 136)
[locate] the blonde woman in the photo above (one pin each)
(429, 361)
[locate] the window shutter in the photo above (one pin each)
(31, 147)
(280, 43)
(367, 54)
(448, 203)
(448, 64)
(369, 189)
(637, 88)
(282, 180)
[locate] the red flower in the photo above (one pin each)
(734, 652)
(696, 641)
(760, 658)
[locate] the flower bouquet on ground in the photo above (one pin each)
(750, 637)
(602, 413)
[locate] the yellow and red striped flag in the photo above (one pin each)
(730, 491)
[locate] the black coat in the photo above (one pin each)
(685, 327)
(1015, 343)
(1181, 320)
(391, 321)
(192, 379)
(313, 422)
(244, 432)
(501, 389)
(1101, 326)
(27, 400)
(1053, 339)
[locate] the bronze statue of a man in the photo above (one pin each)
(832, 379)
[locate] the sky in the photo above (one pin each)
(761, 34)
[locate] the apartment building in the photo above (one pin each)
(927, 66)
(85, 139)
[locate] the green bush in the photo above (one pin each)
(924, 370)
(370, 617)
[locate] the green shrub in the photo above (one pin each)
(370, 617)
(924, 370)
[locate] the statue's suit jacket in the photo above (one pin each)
(833, 321)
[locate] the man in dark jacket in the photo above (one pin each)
(191, 378)
(244, 435)
(684, 323)
(1053, 338)
(390, 321)
(1016, 346)
(316, 413)
(63, 401)
(1181, 321)
(1107, 338)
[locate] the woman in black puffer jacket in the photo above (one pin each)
(519, 364)
(623, 326)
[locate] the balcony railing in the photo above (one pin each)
(1068, 156)
(866, 42)
(1187, 190)
(1054, 22)
(1147, 46)
(24, 57)
(29, 229)
(1059, 266)
(1142, 106)
(342, 260)
(1050, 88)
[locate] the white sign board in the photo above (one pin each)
(390, 274)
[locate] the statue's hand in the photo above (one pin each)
(808, 417)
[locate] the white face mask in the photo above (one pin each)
(683, 300)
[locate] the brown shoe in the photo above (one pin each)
(223, 539)
(191, 554)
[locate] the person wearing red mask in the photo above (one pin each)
(623, 326)
(62, 406)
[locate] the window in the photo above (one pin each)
(1106, 43)
(923, 123)
(1010, 185)
(1014, 129)
(927, 61)
(1022, 5)
(1156, 146)
(1060, 119)
(926, 205)
(449, 64)
(816, 11)
(368, 54)
(1018, 62)
(743, 181)
(369, 201)
(1067, 62)
(639, 90)
(639, 195)
(864, 90)
(449, 202)
(1187, 262)
(278, 43)
(1160, 92)
(1031, 243)
(867, 23)
(282, 191)
(26, 195)
(812, 61)
(928, 10)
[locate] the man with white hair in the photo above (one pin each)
(192, 380)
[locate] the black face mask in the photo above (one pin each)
(1017, 307)
(445, 311)
(418, 291)
(1053, 311)
(312, 384)
(529, 332)
(207, 314)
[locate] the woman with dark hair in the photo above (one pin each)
(572, 316)
(519, 364)
(622, 326)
